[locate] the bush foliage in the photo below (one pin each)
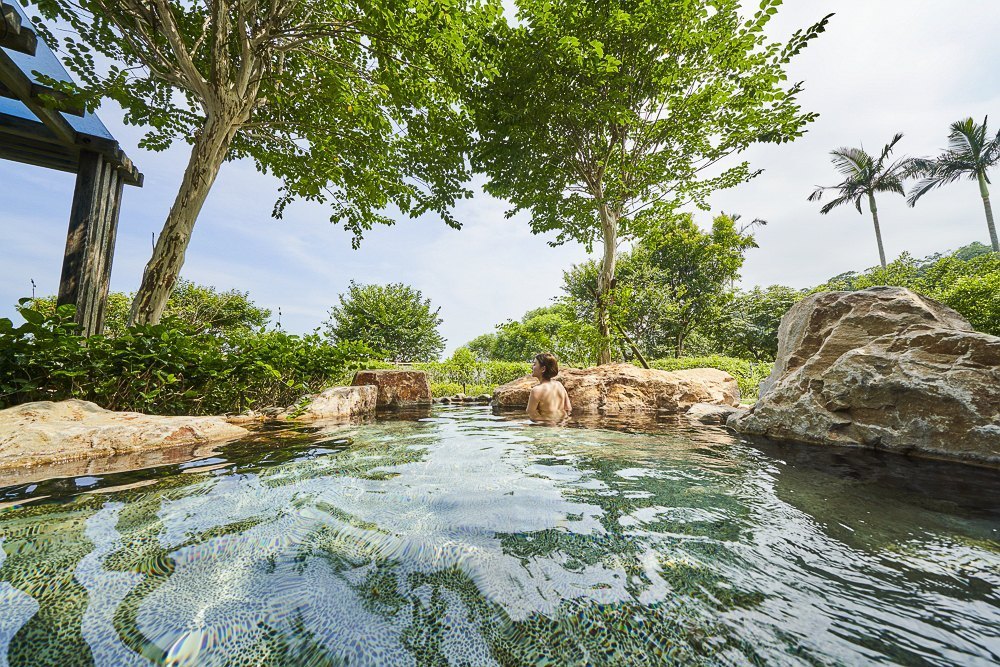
(748, 374)
(469, 376)
(167, 368)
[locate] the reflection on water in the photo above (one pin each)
(468, 539)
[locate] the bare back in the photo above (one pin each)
(548, 401)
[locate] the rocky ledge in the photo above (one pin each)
(48, 432)
(882, 368)
(620, 388)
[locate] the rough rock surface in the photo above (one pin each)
(618, 388)
(882, 368)
(335, 402)
(707, 413)
(396, 388)
(47, 432)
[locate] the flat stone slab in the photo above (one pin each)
(396, 388)
(46, 432)
(624, 388)
(334, 403)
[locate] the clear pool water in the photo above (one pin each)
(464, 538)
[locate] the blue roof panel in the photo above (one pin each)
(46, 62)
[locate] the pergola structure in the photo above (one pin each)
(35, 128)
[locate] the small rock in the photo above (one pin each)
(396, 388)
(335, 402)
(709, 413)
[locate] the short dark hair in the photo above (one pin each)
(549, 363)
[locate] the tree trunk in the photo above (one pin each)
(207, 155)
(605, 278)
(878, 232)
(985, 192)
(631, 344)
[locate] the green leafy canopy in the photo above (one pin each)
(629, 106)
(352, 103)
(393, 319)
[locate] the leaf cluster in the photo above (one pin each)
(967, 280)
(168, 368)
(627, 106)
(200, 308)
(394, 320)
(675, 280)
(352, 103)
(556, 329)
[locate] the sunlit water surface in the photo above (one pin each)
(465, 538)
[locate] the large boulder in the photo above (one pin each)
(48, 432)
(396, 388)
(616, 388)
(334, 403)
(883, 368)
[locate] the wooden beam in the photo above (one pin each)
(24, 150)
(90, 241)
(13, 34)
(37, 132)
(103, 284)
(15, 80)
(81, 219)
(39, 92)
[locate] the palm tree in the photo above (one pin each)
(864, 176)
(970, 153)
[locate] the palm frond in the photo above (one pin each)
(930, 183)
(851, 161)
(991, 152)
(890, 185)
(967, 137)
(817, 194)
(887, 150)
(839, 201)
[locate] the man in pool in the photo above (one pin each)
(548, 401)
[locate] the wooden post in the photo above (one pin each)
(90, 241)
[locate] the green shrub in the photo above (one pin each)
(485, 375)
(748, 374)
(454, 388)
(165, 368)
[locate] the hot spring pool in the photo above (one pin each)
(464, 538)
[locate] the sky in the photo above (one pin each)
(883, 66)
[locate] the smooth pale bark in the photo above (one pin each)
(605, 281)
(878, 231)
(207, 155)
(985, 192)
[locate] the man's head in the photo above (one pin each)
(545, 366)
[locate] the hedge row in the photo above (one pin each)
(749, 374)
(167, 368)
